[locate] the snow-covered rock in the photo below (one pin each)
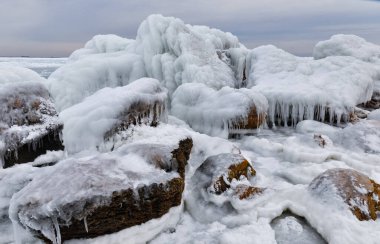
(358, 191)
(219, 180)
(300, 88)
(103, 114)
(104, 193)
(29, 124)
(219, 113)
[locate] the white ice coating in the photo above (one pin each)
(214, 112)
(86, 123)
(12, 74)
(302, 88)
(348, 45)
(374, 115)
(165, 48)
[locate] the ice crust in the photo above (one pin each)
(86, 123)
(11, 74)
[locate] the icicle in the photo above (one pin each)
(57, 231)
(85, 224)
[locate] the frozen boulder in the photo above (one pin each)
(299, 88)
(218, 171)
(358, 191)
(29, 123)
(221, 180)
(111, 110)
(102, 194)
(219, 113)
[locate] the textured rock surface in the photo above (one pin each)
(246, 191)
(127, 210)
(137, 114)
(358, 191)
(253, 121)
(29, 122)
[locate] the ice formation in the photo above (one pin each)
(216, 112)
(86, 123)
(164, 48)
(303, 88)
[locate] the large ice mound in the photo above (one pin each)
(300, 88)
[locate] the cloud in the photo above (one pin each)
(55, 27)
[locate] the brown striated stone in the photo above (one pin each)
(358, 191)
(246, 191)
(137, 114)
(127, 210)
(253, 121)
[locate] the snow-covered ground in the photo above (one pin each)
(208, 77)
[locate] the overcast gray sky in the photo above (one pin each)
(46, 28)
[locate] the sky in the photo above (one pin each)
(55, 28)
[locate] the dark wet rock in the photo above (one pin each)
(358, 191)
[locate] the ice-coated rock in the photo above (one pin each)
(360, 193)
(29, 124)
(219, 113)
(110, 110)
(103, 194)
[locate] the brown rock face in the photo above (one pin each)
(373, 104)
(246, 192)
(127, 210)
(358, 191)
(253, 121)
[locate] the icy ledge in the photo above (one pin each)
(88, 123)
